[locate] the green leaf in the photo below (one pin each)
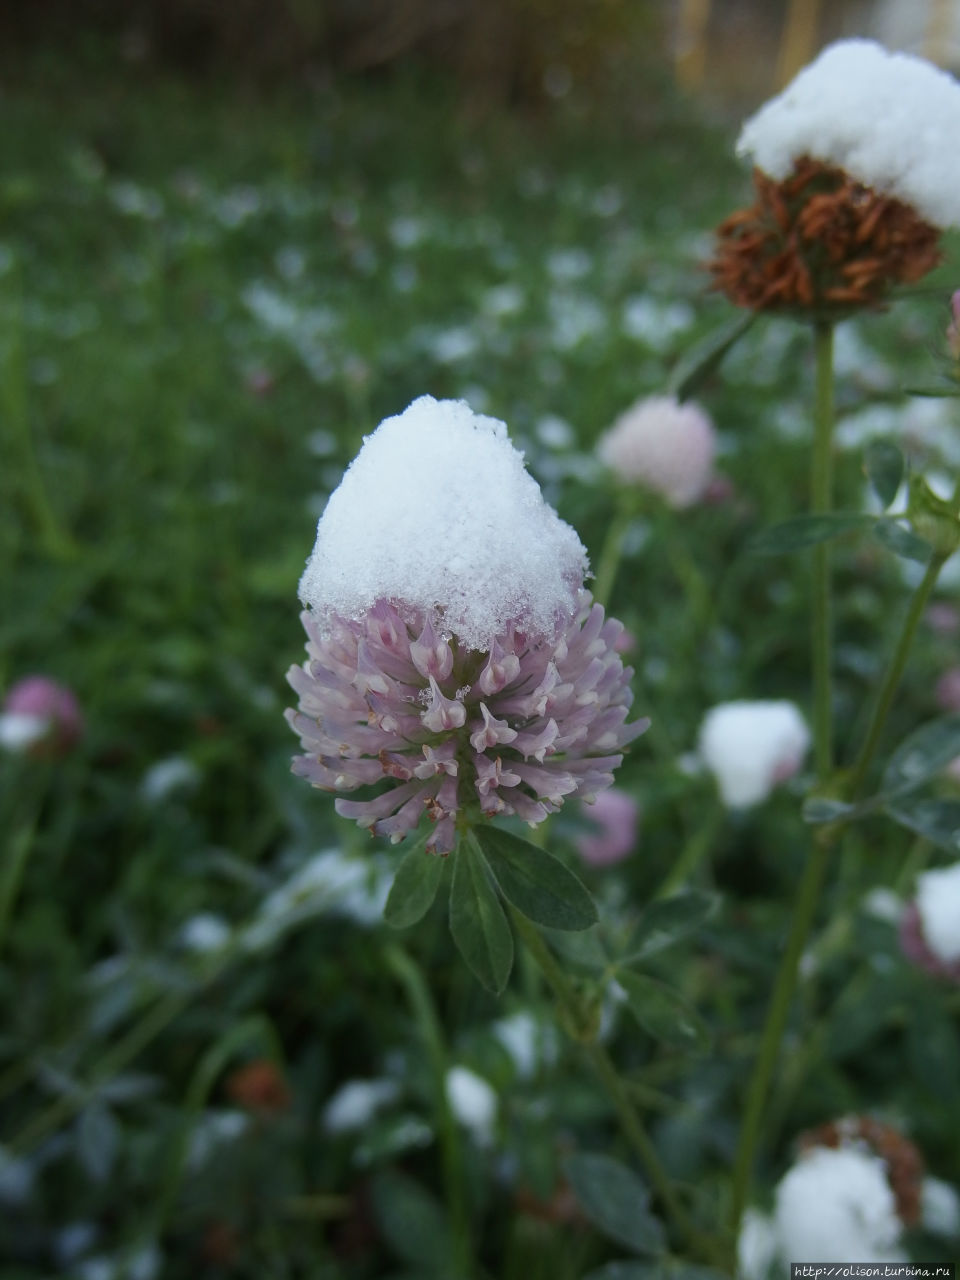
(535, 882)
(936, 391)
(670, 920)
(705, 357)
(936, 820)
(805, 531)
(923, 755)
(414, 887)
(902, 541)
(817, 809)
(884, 465)
(412, 1222)
(615, 1201)
(662, 1012)
(477, 922)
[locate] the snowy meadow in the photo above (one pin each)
(618, 934)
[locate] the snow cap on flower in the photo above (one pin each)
(468, 670)
(356, 1102)
(473, 1102)
(615, 814)
(662, 445)
(751, 746)
(40, 716)
(838, 1206)
(938, 908)
(438, 515)
(890, 120)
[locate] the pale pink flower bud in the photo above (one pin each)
(948, 690)
(40, 717)
(615, 814)
(953, 330)
(664, 446)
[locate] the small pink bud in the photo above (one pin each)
(615, 814)
(663, 445)
(40, 717)
(943, 618)
(953, 330)
(948, 690)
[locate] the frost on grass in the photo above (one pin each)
(890, 120)
(438, 514)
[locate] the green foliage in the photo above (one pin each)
(535, 882)
(414, 887)
(616, 1201)
(477, 922)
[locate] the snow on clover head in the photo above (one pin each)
(438, 516)
(890, 120)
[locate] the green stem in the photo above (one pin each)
(612, 551)
(692, 853)
(821, 500)
(14, 400)
(418, 996)
(808, 895)
(572, 1006)
(894, 673)
(11, 877)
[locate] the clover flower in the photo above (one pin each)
(615, 814)
(854, 179)
(456, 666)
(751, 746)
(662, 445)
(930, 926)
(41, 717)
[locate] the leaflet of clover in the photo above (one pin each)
(438, 515)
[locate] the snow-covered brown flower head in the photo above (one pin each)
(456, 665)
(854, 181)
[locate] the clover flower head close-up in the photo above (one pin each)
(456, 665)
(855, 179)
(662, 445)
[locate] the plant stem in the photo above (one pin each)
(821, 500)
(808, 895)
(572, 1006)
(894, 672)
(692, 854)
(808, 892)
(611, 551)
(421, 1004)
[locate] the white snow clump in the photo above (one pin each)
(751, 746)
(890, 120)
(938, 902)
(438, 515)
